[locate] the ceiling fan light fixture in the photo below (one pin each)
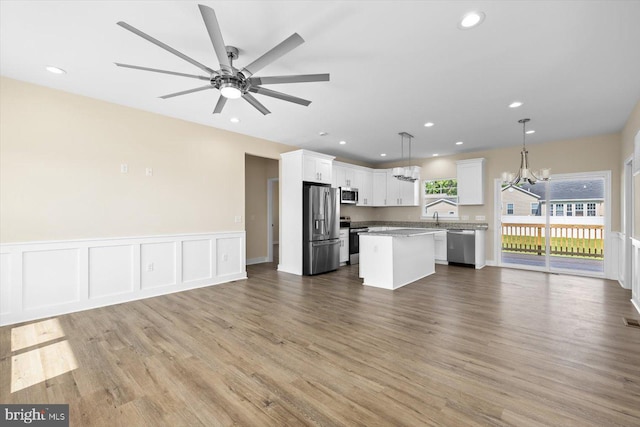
(230, 90)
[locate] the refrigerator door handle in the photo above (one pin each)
(326, 212)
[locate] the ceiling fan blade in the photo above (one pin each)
(279, 95)
(213, 28)
(251, 100)
(300, 78)
(220, 105)
(155, 70)
(284, 47)
(165, 47)
(184, 92)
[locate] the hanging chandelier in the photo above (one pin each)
(525, 173)
(409, 173)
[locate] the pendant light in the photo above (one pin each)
(525, 173)
(409, 173)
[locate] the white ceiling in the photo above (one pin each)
(394, 66)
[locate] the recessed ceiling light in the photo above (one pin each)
(342, 142)
(234, 120)
(459, 143)
(530, 131)
(515, 104)
(383, 154)
(435, 155)
(55, 70)
(323, 133)
(428, 124)
(470, 20)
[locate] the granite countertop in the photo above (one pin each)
(443, 225)
(404, 232)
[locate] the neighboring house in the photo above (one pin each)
(566, 198)
(520, 202)
(444, 207)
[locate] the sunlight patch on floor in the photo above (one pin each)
(42, 362)
(35, 333)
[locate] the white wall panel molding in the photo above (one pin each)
(635, 276)
(42, 279)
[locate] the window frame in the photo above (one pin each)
(431, 197)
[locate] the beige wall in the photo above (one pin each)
(629, 133)
(257, 171)
(60, 157)
(595, 153)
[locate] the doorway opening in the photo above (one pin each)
(557, 226)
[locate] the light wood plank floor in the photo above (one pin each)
(460, 348)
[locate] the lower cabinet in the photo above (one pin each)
(344, 245)
(440, 243)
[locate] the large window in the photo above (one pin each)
(440, 196)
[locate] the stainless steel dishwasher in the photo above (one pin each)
(461, 247)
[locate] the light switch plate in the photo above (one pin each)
(480, 218)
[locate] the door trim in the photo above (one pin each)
(270, 183)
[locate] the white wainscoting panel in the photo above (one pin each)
(110, 270)
(229, 256)
(158, 262)
(635, 276)
(50, 278)
(42, 279)
(5, 282)
(197, 260)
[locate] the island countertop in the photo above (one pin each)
(403, 232)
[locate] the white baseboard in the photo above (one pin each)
(491, 263)
(259, 260)
(42, 279)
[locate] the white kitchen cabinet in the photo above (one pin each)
(344, 175)
(440, 243)
(470, 181)
(402, 193)
(379, 188)
(344, 245)
(316, 167)
(364, 184)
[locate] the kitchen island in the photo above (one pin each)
(394, 258)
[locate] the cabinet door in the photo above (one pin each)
(363, 183)
(344, 246)
(440, 241)
(409, 193)
(323, 167)
(470, 182)
(379, 188)
(393, 189)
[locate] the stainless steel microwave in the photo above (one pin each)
(348, 195)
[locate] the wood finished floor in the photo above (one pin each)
(459, 348)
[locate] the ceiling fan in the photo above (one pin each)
(232, 82)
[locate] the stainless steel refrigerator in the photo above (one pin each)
(321, 229)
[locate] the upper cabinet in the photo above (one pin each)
(402, 193)
(379, 188)
(470, 182)
(343, 175)
(364, 184)
(316, 167)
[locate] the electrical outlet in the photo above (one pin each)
(124, 168)
(238, 218)
(225, 257)
(149, 172)
(480, 218)
(150, 267)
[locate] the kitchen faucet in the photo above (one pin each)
(436, 216)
